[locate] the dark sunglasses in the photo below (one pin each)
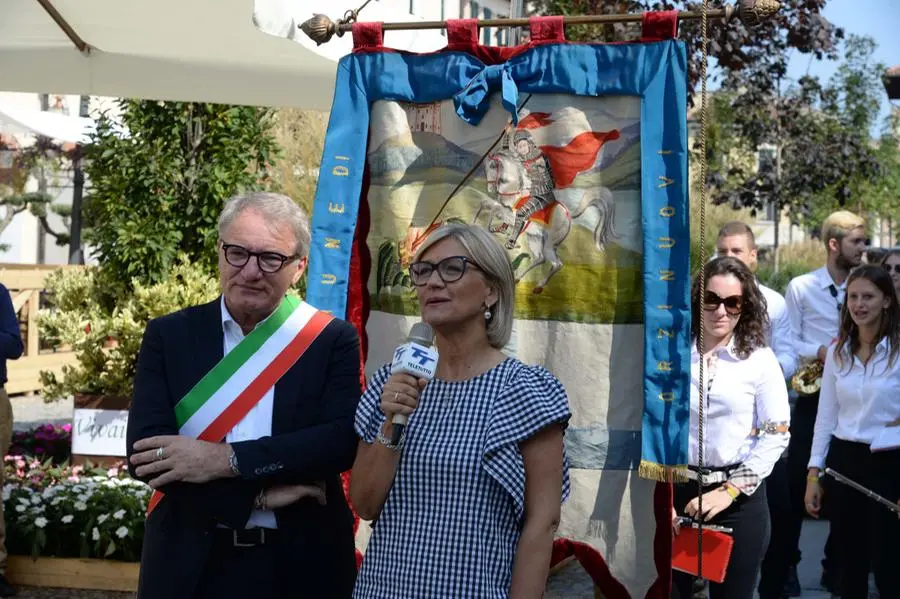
(733, 303)
(889, 267)
(450, 270)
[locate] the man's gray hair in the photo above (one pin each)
(276, 207)
(484, 249)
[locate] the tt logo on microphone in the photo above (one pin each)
(422, 356)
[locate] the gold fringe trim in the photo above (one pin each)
(661, 473)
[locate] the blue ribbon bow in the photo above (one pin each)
(473, 101)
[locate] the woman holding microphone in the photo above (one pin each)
(746, 417)
(466, 505)
(860, 395)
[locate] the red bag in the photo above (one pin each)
(717, 548)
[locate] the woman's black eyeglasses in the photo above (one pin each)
(269, 262)
(733, 303)
(890, 267)
(449, 269)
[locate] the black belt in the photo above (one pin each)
(250, 537)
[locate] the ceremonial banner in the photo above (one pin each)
(575, 157)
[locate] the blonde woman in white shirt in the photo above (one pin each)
(746, 422)
(860, 395)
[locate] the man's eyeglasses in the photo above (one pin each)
(733, 303)
(449, 269)
(269, 262)
(890, 267)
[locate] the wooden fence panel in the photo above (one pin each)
(26, 283)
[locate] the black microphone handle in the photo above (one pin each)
(397, 433)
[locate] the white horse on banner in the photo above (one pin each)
(509, 186)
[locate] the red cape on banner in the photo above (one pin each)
(577, 156)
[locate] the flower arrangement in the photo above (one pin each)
(73, 511)
(47, 441)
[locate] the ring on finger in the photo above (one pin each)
(396, 395)
(159, 453)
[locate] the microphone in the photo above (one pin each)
(417, 357)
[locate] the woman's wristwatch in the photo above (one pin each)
(813, 475)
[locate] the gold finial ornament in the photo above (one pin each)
(319, 28)
(754, 12)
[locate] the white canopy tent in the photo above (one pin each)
(61, 127)
(186, 50)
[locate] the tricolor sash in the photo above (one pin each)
(225, 395)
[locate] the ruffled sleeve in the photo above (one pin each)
(531, 400)
(369, 417)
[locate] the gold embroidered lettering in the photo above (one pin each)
(340, 171)
(664, 152)
(665, 182)
(667, 275)
(667, 211)
(329, 279)
(666, 243)
(660, 333)
(663, 366)
(663, 307)
(335, 208)
(667, 396)
(342, 158)
(332, 244)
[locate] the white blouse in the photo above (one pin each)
(855, 402)
(747, 414)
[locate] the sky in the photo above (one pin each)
(879, 19)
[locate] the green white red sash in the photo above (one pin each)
(225, 395)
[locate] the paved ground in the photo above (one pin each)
(571, 583)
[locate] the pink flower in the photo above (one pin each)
(112, 472)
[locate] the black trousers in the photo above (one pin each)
(803, 421)
(749, 517)
(867, 534)
(241, 572)
(780, 554)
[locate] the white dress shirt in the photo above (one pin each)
(745, 402)
(780, 331)
(855, 403)
(258, 421)
(812, 302)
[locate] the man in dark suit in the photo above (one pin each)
(261, 514)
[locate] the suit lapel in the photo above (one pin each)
(285, 407)
(209, 346)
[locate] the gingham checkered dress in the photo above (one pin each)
(452, 519)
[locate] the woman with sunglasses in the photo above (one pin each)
(860, 396)
(467, 503)
(746, 417)
(891, 263)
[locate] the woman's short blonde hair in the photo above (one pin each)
(484, 249)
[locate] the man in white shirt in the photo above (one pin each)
(736, 239)
(814, 303)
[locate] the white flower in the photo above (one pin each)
(67, 518)
(119, 515)
(24, 501)
(102, 518)
(36, 500)
(80, 506)
(56, 501)
(84, 497)
(121, 532)
(40, 522)
(95, 534)
(20, 508)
